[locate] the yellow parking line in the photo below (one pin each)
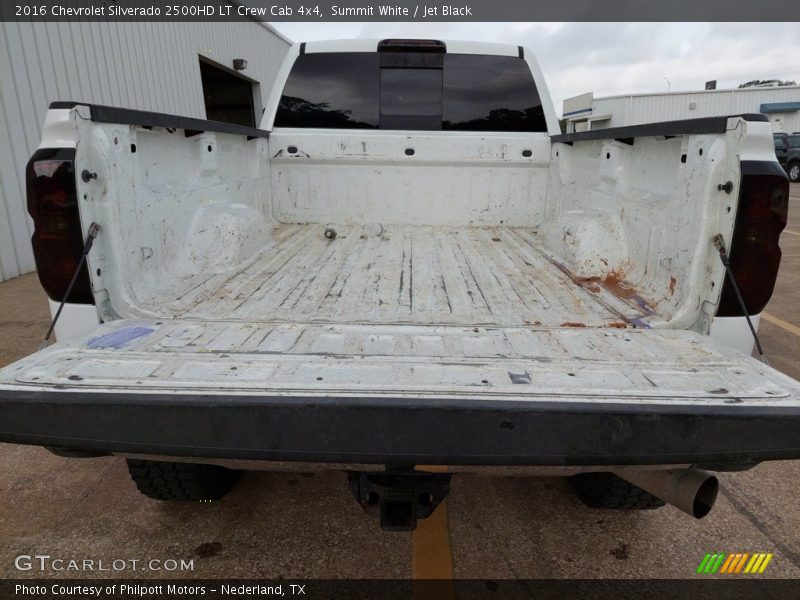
(785, 325)
(432, 557)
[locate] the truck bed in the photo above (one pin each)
(442, 337)
(497, 276)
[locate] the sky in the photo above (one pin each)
(612, 58)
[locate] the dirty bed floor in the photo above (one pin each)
(417, 275)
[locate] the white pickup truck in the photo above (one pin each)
(407, 272)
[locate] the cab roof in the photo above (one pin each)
(371, 45)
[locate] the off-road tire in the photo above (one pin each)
(181, 481)
(606, 490)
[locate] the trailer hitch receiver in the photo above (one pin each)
(399, 498)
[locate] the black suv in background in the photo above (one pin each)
(787, 149)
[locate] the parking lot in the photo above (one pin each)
(292, 526)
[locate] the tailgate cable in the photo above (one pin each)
(720, 244)
(94, 229)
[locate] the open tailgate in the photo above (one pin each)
(402, 394)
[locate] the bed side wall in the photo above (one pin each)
(640, 217)
(174, 209)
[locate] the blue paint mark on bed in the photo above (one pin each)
(639, 324)
(119, 338)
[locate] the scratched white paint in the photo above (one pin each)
(462, 179)
(592, 365)
(640, 212)
(218, 226)
(452, 269)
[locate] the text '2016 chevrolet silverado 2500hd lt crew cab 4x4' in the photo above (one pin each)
(408, 272)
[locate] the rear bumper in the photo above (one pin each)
(400, 430)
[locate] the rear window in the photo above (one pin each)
(457, 92)
(331, 90)
(793, 141)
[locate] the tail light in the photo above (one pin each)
(57, 236)
(754, 253)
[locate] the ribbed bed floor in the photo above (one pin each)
(420, 275)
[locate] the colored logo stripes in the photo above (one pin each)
(732, 564)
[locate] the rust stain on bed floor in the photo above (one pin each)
(614, 282)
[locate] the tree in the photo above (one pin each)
(297, 112)
(757, 82)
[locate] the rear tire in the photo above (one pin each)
(181, 481)
(793, 171)
(606, 490)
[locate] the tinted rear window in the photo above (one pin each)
(490, 93)
(793, 141)
(338, 91)
(462, 92)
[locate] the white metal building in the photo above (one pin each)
(176, 68)
(781, 104)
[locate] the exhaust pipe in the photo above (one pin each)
(691, 490)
